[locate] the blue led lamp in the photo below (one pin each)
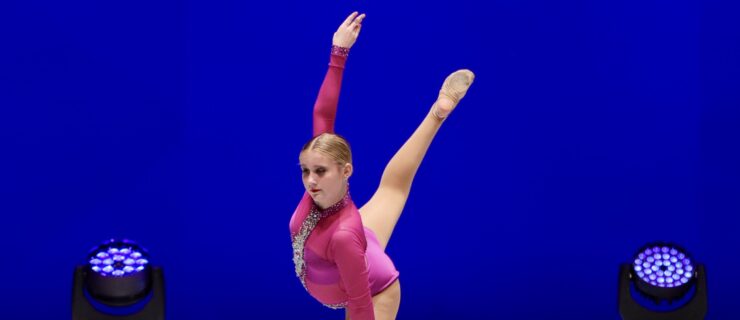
(117, 282)
(662, 282)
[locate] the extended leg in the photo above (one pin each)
(382, 211)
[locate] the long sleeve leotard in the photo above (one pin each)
(338, 261)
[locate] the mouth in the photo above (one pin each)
(314, 190)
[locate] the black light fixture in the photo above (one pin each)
(118, 283)
(662, 282)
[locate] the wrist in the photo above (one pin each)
(339, 51)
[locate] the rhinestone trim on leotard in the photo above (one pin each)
(299, 240)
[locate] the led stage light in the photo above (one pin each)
(118, 283)
(662, 283)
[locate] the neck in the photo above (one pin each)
(344, 192)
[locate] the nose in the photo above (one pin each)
(311, 180)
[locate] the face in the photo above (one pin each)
(323, 178)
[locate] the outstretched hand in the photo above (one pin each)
(348, 31)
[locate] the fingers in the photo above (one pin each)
(349, 19)
(353, 20)
(357, 22)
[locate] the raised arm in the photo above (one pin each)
(325, 108)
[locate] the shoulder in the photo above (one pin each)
(348, 235)
(345, 244)
(349, 217)
(345, 236)
(349, 224)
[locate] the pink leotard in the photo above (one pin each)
(339, 262)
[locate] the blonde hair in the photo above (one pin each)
(332, 145)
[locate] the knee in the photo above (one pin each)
(393, 196)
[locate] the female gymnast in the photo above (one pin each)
(338, 250)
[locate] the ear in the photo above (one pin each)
(347, 170)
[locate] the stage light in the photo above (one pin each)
(117, 282)
(662, 282)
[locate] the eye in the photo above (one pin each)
(320, 170)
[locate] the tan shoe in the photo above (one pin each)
(453, 89)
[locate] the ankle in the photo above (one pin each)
(436, 114)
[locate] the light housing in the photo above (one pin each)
(118, 282)
(662, 282)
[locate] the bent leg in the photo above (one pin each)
(386, 303)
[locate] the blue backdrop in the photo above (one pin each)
(592, 128)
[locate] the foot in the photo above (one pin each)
(453, 89)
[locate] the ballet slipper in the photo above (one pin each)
(453, 89)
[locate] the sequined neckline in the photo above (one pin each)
(335, 207)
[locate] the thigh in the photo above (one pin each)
(387, 302)
(380, 214)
